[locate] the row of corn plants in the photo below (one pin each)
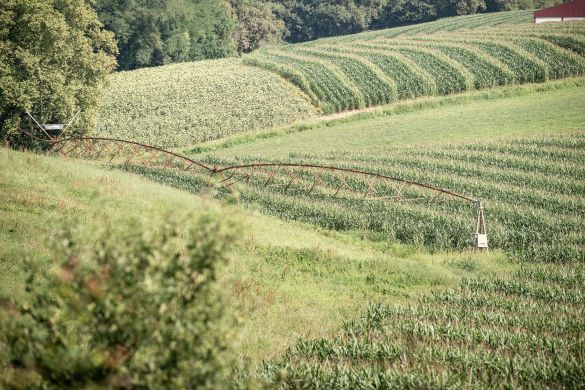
(380, 67)
(526, 331)
(534, 203)
(375, 86)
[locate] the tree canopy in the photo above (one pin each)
(54, 56)
(312, 19)
(255, 24)
(158, 32)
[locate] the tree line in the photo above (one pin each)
(157, 32)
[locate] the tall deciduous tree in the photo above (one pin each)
(54, 56)
(460, 7)
(312, 19)
(256, 24)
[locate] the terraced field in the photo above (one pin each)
(184, 104)
(376, 68)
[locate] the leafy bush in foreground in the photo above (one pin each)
(137, 307)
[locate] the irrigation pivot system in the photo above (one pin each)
(289, 178)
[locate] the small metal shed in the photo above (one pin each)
(572, 10)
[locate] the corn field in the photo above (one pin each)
(184, 104)
(532, 189)
(524, 332)
(376, 68)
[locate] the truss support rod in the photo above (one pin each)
(269, 179)
(290, 182)
(77, 144)
(87, 149)
(101, 150)
(317, 180)
(39, 125)
(348, 170)
(153, 153)
(150, 147)
(116, 152)
(69, 124)
(136, 150)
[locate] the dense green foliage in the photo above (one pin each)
(182, 104)
(383, 66)
(522, 331)
(169, 31)
(54, 56)
(312, 19)
(127, 305)
(161, 32)
(255, 24)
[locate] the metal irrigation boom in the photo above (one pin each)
(336, 180)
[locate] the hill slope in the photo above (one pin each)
(484, 148)
(373, 69)
(289, 279)
(183, 104)
(187, 103)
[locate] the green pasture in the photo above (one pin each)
(554, 107)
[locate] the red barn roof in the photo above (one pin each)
(574, 8)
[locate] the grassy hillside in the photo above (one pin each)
(521, 149)
(187, 103)
(373, 69)
(179, 105)
(290, 280)
(350, 283)
(348, 289)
